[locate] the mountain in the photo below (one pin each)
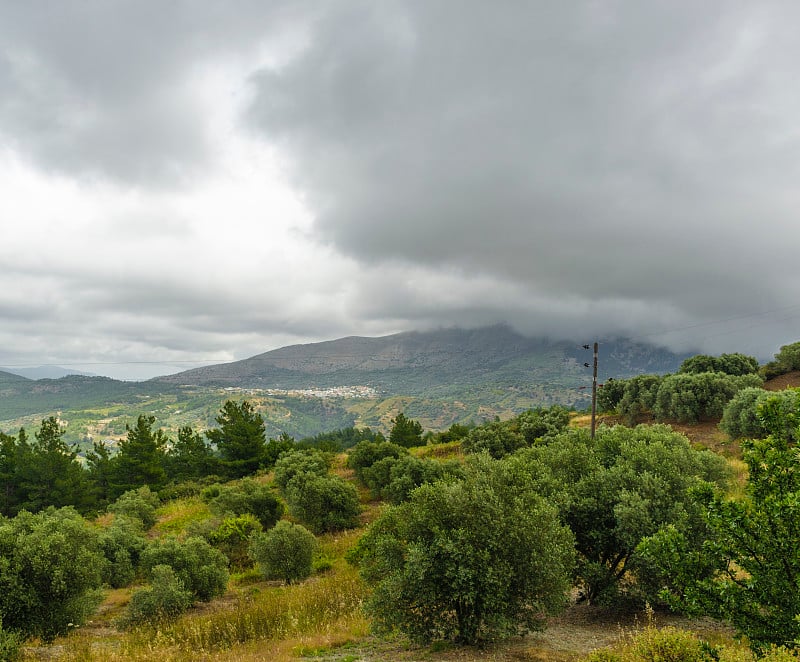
(441, 363)
(47, 372)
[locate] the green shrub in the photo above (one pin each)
(201, 568)
(139, 504)
(786, 360)
(51, 565)
(300, 462)
(324, 503)
(10, 645)
(468, 560)
(366, 453)
(690, 398)
(741, 418)
(164, 600)
(285, 552)
(536, 424)
(232, 537)
(731, 364)
(652, 644)
(244, 497)
(122, 544)
(498, 438)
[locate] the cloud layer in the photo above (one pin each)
(212, 181)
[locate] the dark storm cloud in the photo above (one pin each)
(634, 152)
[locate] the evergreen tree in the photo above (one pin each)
(240, 438)
(405, 431)
(141, 458)
(8, 462)
(48, 474)
(190, 456)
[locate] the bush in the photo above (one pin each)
(786, 360)
(741, 418)
(285, 552)
(638, 397)
(242, 498)
(201, 568)
(689, 398)
(497, 438)
(232, 537)
(139, 504)
(615, 491)
(10, 645)
(51, 566)
(469, 560)
(731, 364)
(366, 453)
(300, 462)
(324, 503)
(536, 424)
(668, 644)
(165, 600)
(122, 544)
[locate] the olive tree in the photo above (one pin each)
(467, 560)
(285, 552)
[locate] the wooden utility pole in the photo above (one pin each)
(594, 391)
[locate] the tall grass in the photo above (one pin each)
(315, 611)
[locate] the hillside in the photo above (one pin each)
(434, 363)
(437, 377)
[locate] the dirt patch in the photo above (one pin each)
(789, 380)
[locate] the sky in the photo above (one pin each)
(198, 182)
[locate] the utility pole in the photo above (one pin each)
(594, 391)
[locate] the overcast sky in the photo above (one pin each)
(208, 180)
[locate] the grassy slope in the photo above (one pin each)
(321, 619)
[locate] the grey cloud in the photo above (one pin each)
(101, 88)
(642, 152)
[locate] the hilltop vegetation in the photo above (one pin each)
(464, 535)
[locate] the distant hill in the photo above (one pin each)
(47, 372)
(437, 377)
(433, 363)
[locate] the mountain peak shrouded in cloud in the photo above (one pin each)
(192, 182)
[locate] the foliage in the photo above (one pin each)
(340, 440)
(741, 416)
(786, 360)
(240, 438)
(46, 473)
(731, 364)
(690, 398)
(165, 599)
(300, 462)
(190, 457)
(366, 453)
(10, 645)
(405, 432)
(122, 544)
(615, 491)
(498, 438)
(455, 432)
(139, 504)
(285, 552)
(275, 448)
(468, 560)
(232, 537)
(393, 478)
(201, 568)
(141, 457)
(667, 644)
(324, 503)
(638, 397)
(747, 568)
(245, 497)
(50, 567)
